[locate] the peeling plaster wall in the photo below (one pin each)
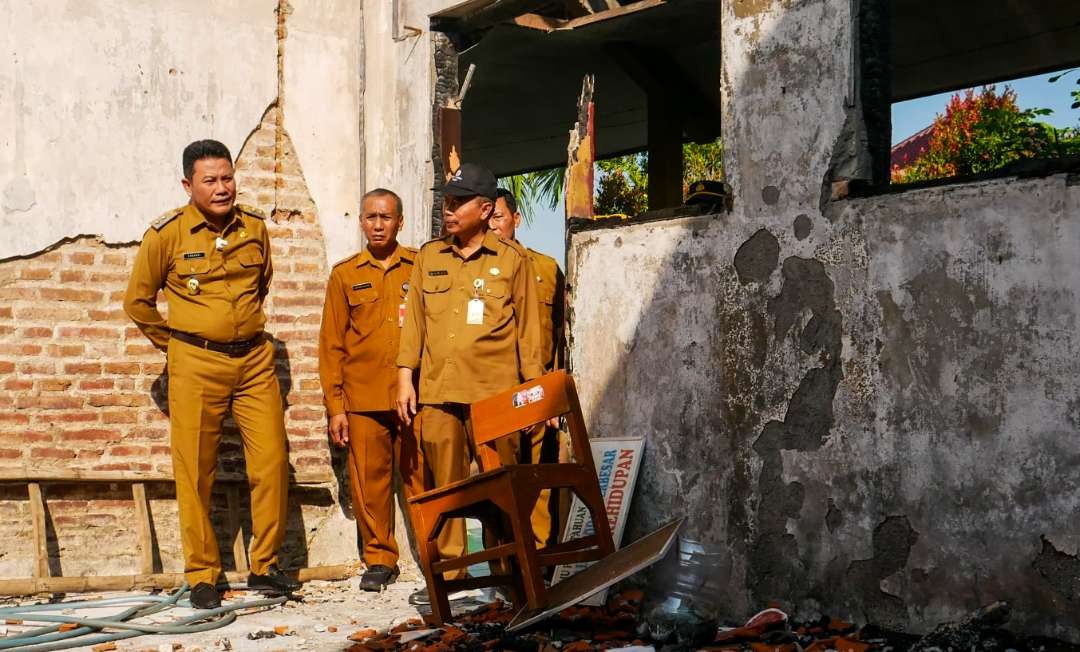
(399, 93)
(871, 404)
(91, 132)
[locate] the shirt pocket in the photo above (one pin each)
(436, 291)
(546, 292)
(364, 310)
(499, 301)
(185, 267)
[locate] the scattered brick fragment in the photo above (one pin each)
(362, 635)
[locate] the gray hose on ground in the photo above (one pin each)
(49, 638)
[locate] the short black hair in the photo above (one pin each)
(201, 149)
(508, 197)
(383, 192)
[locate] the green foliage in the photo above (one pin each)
(622, 182)
(1075, 94)
(984, 131)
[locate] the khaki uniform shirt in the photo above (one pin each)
(461, 362)
(550, 287)
(361, 328)
(213, 292)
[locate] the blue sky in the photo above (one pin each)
(545, 232)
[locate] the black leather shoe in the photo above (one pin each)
(204, 596)
(274, 581)
(377, 577)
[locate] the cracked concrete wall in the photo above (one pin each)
(92, 130)
(871, 404)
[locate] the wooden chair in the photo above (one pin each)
(502, 498)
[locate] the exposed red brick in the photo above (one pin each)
(97, 384)
(71, 294)
(88, 368)
(128, 451)
(129, 400)
(90, 434)
(36, 332)
(52, 453)
(49, 402)
(119, 416)
(36, 273)
(81, 258)
(54, 384)
(18, 384)
(6, 367)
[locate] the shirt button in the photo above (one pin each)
(451, 335)
(456, 311)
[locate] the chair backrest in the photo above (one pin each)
(526, 405)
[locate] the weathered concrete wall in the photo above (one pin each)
(876, 417)
(98, 98)
(872, 403)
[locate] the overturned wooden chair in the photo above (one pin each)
(502, 498)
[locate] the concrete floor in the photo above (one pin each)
(341, 605)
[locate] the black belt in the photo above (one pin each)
(234, 349)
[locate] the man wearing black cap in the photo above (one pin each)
(472, 327)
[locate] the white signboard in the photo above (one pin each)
(617, 463)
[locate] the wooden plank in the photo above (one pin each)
(158, 581)
(232, 497)
(43, 476)
(145, 540)
(623, 10)
(536, 21)
(37, 518)
(581, 154)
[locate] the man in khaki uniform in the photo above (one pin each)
(212, 260)
(543, 440)
(471, 327)
(358, 346)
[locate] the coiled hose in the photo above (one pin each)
(51, 638)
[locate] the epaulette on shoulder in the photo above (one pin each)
(166, 217)
(431, 242)
(411, 250)
(516, 246)
(344, 260)
(251, 210)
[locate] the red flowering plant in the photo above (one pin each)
(983, 131)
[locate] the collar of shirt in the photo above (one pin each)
(490, 242)
(193, 219)
(397, 257)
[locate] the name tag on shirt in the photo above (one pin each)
(361, 286)
(475, 314)
(438, 272)
(194, 254)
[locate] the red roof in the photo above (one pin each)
(908, 150)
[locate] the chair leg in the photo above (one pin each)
(589, 493)
(531, 572)
(436, 585)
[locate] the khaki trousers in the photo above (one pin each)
(202, 386)
(376, 442)
(543, 448)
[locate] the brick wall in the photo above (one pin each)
(83, 389)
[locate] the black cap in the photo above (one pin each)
(471, 180)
